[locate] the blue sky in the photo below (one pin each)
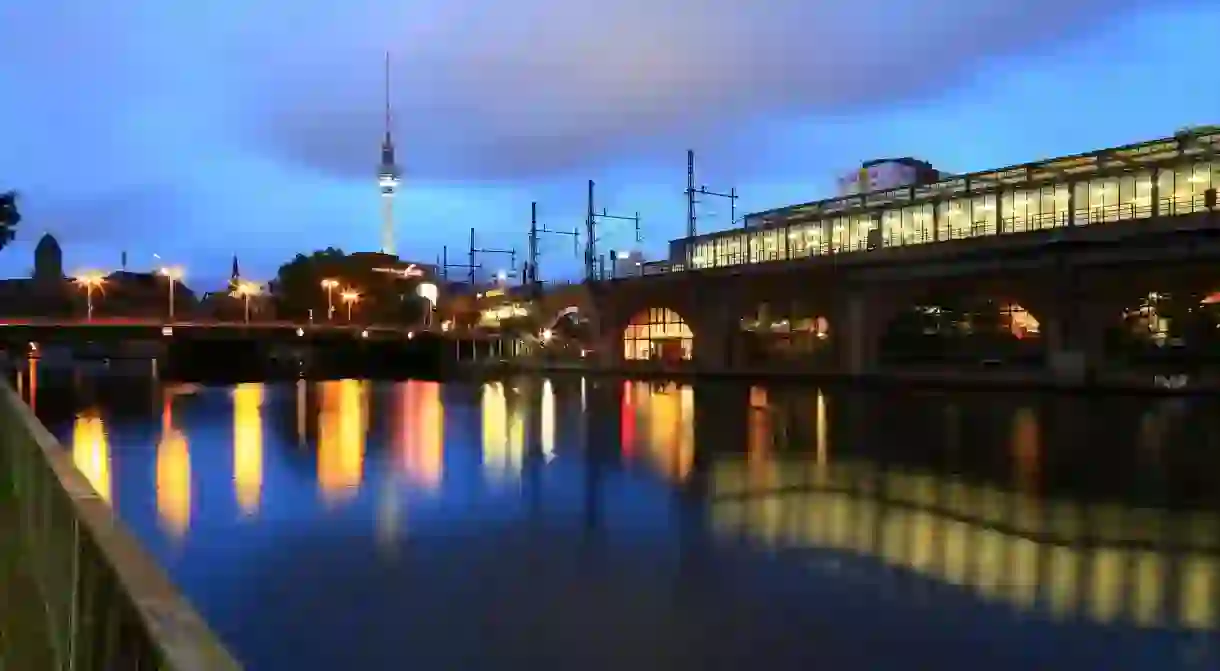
(196, 131)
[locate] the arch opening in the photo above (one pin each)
(967, 330)
(1159, 325)
(658, 334)
(569, 334)
(787, 331)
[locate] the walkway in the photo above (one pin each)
(24, 640)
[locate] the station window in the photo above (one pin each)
(657, 333)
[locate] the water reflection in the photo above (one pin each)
(1026, 448)
(1101, 562)
(342, 427)
(173, 473)
(91, 451)
(939, 514)
(661, 419)
(248, 446)
(419, 431)
(546, 418)
(503, 432)
(302, 406)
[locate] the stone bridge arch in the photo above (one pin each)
(707, 314)
(1003, 319)
(564, 301)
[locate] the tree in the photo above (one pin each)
(10, 216)
(384, 297)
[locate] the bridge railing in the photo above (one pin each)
(105, 602)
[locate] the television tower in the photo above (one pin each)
(387, 173)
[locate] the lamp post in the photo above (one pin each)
(90, 280)
(330, 285)
(244, 291)
(350, 296)
(174, 275)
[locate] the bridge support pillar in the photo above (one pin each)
(857, 326)
(1076, 343)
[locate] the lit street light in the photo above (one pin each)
(90, 280)
(330, 285)
(244, 291)
(350, 296)
(174, 275)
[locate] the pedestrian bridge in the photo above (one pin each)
(78, 591)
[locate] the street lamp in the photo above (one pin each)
(90, 280)
(174, 274)
(244, 291)
(350, 296)
(330, 285)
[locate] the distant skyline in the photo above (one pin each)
(195, 132)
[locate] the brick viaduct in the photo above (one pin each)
(1075, 281)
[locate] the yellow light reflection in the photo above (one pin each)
(419, 431)
(173, 474)
(503, 434)
(341, 438)
(91, 450)
(1149, 589)
(667, 422)
(248, 445)
(1199, 575)
(547, 419)
(821, 446)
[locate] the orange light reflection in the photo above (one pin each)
(419, 432)
(248, 445)
(173, 474)
(341, 438)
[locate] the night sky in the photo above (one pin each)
(194, 131)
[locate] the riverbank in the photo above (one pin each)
(983, 377)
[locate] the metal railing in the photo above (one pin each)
(107, 604)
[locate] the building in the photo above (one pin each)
(628, 264)
(887, 173)
(1165, 177)
(46, 292)
(136, 294)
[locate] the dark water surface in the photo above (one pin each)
(573, 524)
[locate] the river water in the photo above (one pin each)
(598, 524)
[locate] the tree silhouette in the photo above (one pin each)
(10, 216)
(383, 298)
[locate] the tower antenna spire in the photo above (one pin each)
(387, 94)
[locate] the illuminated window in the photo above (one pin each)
(657, 333)
(1181, 190)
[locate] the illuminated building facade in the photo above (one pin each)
(1165, 177)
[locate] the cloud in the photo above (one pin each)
(256, 124)
(490, 89)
